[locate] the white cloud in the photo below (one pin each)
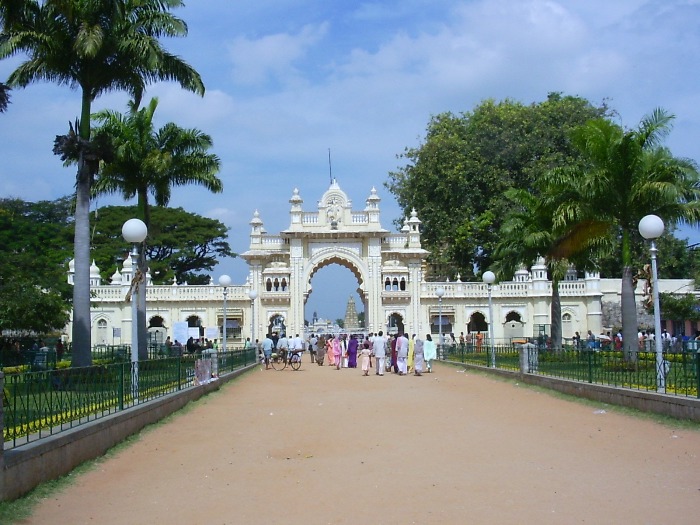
(363, 80)
(273, 57)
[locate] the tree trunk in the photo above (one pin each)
(82, 335)
(629, 316)
(555, 314)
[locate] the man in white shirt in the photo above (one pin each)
(297, 345)
(402, 354)
(379, 351)
(313, 346)
(283, 345)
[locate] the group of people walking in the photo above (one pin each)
(397, 353)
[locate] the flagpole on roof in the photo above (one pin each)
(330, 166)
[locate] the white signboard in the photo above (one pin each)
(180, 332)
(212, 332)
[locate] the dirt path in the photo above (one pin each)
(322, 446)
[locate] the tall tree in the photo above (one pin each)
(456, 179)
(149, 161)
(528, 234)
(95, 46)
(625, 175)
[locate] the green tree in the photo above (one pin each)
(457, 178)
(626, 174)
(675, 259)
(182, 245)
(35, 242)
(148, 161)
(95, 46)
(528, 234)
(679, 308)
(26, 307)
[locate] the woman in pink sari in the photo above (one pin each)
(329, 350)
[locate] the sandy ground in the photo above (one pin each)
(321, 446)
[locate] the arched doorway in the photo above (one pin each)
(277, 326)
(514, 327)
(332, 287)
(395, 324)
(477, 323)
(157, 332)
(194, 327)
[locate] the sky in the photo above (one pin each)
(287, 80)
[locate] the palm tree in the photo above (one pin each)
(626, 174)
(149, 161)
(95, 46)
(4, 97)
(528, 234)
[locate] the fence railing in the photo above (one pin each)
(43, 403)
(680, 369)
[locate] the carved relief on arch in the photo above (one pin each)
(336, 259)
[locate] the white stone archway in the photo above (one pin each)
(336, 234)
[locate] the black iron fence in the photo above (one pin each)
(44, 402)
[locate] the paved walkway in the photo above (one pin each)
(321, 446)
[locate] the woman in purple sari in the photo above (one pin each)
(352, 352)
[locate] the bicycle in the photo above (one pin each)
(279, 361)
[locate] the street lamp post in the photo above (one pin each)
(135, 231)
(489, 278)
(253, 295)
(651, 227)
(440, 292)
(224, 281)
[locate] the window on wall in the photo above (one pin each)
(513, 316)
(268, 285)
(156, 322)
(233, 328)
(284, 285)
(102, 331)
(194, 321)
(477, 323)
(446, 325)
(387, 285)
(402, 285)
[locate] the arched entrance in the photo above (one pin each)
(194, 327)
(477, 323)
(395, 324)
(333, 295)
(276, 326)
(514, 327)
